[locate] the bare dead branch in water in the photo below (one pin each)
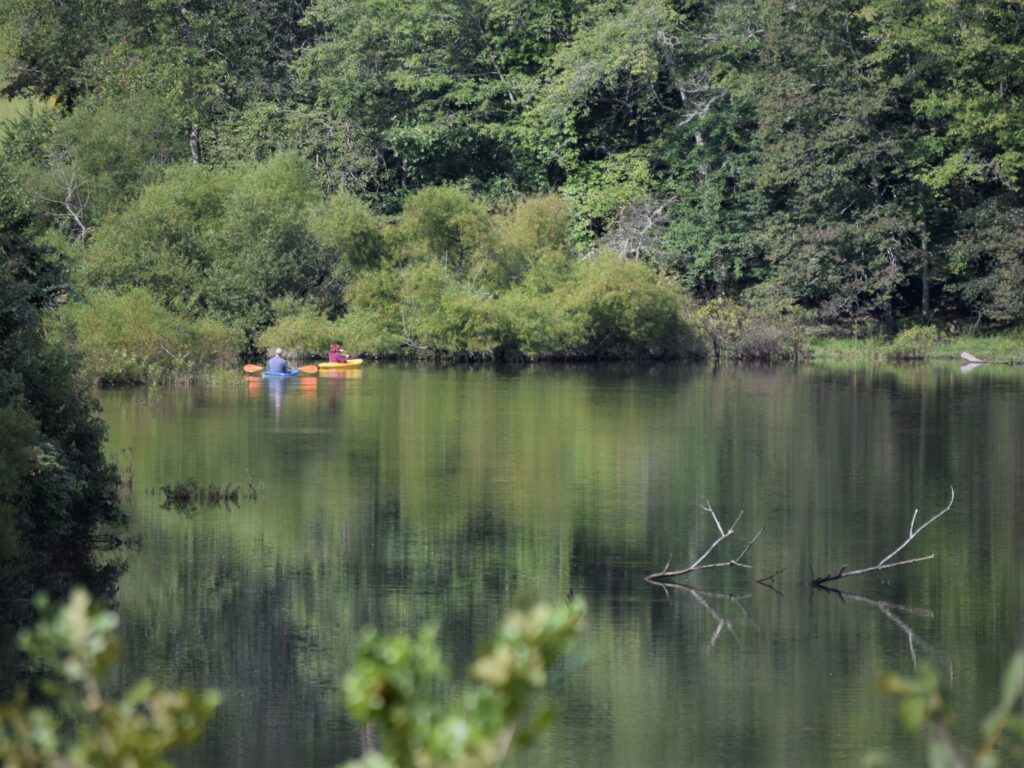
(699, 564)
(884, 564)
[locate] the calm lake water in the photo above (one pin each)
(402, 495)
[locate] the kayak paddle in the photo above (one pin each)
(251, 368)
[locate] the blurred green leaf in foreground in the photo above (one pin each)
(75, 725)
(923, 710)
(393, 684)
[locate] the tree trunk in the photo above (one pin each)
(193, 144)
(890, 317)
(926, 309)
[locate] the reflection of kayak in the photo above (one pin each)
(353, 362)
(350, 374)
(286, 375)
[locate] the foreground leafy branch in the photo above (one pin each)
(390, 688)
(78, 726)
(924, 710)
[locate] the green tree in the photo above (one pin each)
(353, 238)
(446, 225)
(161, 241)
(263, 247)
(60, 486)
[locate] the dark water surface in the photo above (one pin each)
(402, 495)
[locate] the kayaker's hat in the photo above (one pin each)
(335, 347)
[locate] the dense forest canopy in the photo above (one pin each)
(490, 178)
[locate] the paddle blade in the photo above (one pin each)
(251, 368)
(309, 369)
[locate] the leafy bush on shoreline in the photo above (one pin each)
(131, 338)
(258, 248)
(623, 309)
(913, 343)
(753, 330)
(300, 330)
(600, 308)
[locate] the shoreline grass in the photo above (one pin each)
(1007, 347)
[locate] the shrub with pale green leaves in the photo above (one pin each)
(132, 338)
(352, 238)
(447, 225)
(393, 687)
(76, 725)
(924, 712)
(758, 329)
(625, 309)
(537, 229)
(301, 331)
(913, 343)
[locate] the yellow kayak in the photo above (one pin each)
(353, 362)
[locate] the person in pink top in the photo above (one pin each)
(337, 354)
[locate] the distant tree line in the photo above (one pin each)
(500, 178)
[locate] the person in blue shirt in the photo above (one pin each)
(277, 363)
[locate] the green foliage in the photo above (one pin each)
(756, 329)
(374, 323)
(913, 343)
(923, 710)
(602, 190)
(57, 485)
(14, 109)
(863, 159)
(619, 59)
(346, 226)
(625, 309)
(969, 95)
(721, 322)
(78, 725)
(111, 149)
(301, 332)
(226, 243)
(602, 307)
(535, 236)
(263, 246)
(19, 432)
(536, 323)
(161, 242)
(393, 687)
(131, 338)
(447, 225)
(439, 312)
(987, 262)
